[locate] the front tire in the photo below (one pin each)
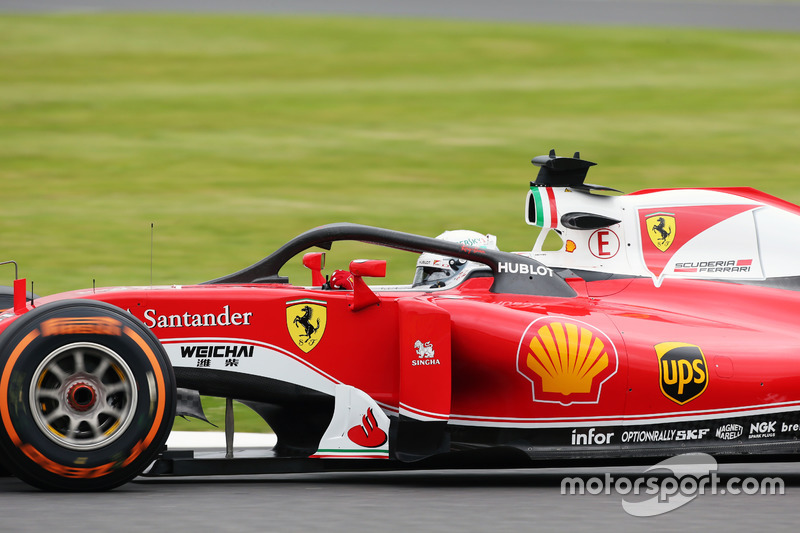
(87, 396)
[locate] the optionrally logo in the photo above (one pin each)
(306, 321)
(682, 370)
(661, 229)
(567, 361)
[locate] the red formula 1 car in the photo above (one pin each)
(666, 322)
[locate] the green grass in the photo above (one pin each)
(245, 420)
(233, 133)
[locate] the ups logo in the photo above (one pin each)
(682, 370)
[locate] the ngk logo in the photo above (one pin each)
(762, 430)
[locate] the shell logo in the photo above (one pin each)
(566, 360)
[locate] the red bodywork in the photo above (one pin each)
(611, 368)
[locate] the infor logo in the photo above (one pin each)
(682, 370)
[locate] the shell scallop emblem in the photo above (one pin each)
(567, 361)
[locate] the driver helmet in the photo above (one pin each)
(435, 271)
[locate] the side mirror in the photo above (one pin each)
(315, 261)
(368, 268)
(362, 295)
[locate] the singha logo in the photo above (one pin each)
(426, 356)
(424, 351)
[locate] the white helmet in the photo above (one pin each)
(437, 271)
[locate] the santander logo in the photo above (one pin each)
(368, 434)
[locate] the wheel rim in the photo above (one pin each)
(82, 396)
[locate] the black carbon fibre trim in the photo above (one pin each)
(298, 415)
(226, 384)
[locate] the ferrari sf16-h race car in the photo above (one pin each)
(665, 323)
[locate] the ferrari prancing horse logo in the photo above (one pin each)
(661, 229)
(305, 320)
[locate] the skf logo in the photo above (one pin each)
(682, 370)
(661, 229)
(306, 320)
(567, 361)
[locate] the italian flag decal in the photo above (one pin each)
(544, 204)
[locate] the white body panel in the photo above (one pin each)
(727, 234)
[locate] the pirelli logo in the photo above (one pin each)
(90, 325)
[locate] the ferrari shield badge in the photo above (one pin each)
(661, 229)
(682, 370)
(306, 321)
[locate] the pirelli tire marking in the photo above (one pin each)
(87, 397)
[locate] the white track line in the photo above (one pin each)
(216, 439)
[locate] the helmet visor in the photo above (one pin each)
(426, 275)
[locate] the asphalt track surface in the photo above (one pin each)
(756, 14)
(439, 501)
(484, 501)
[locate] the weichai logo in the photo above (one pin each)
(682, 370)
(567, 361)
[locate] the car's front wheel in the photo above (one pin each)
(87, 396)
